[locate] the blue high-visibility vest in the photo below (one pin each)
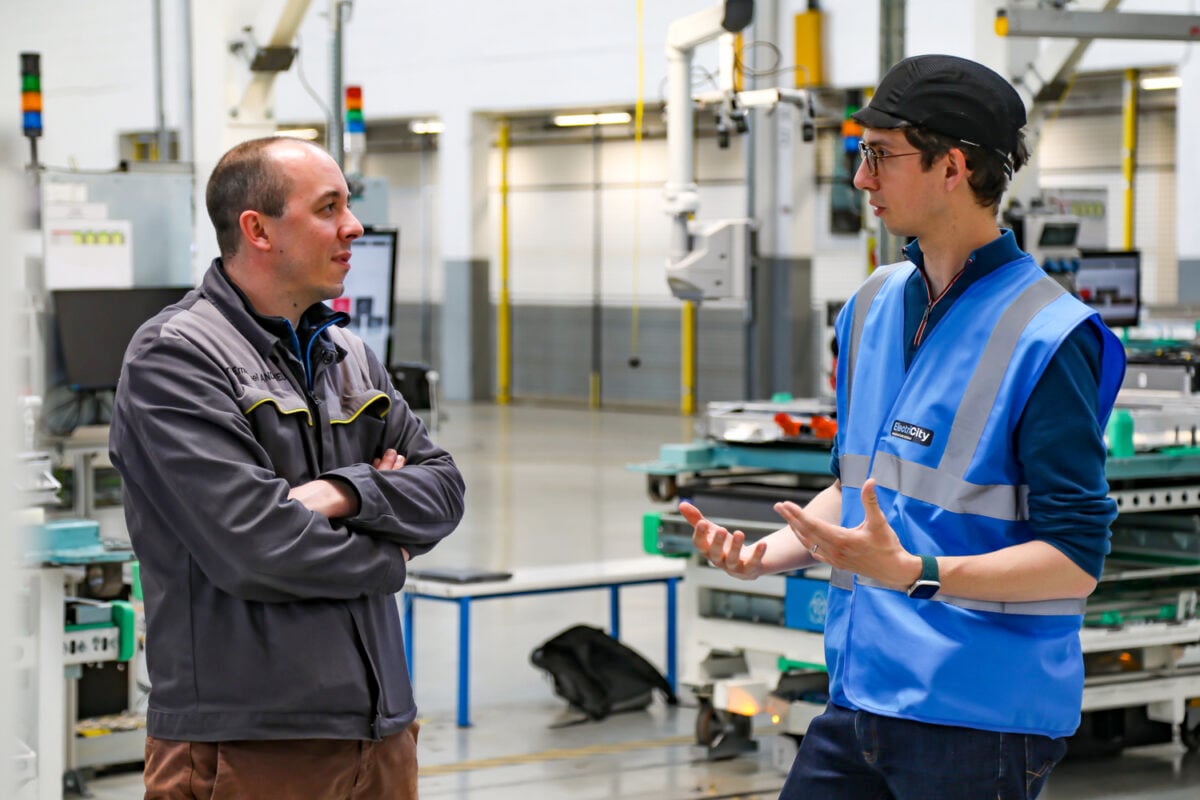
(938, 439)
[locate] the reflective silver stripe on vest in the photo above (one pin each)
(945, 486)
(980, 397)
(844, 579)
(853, 470)
(945, 490)
(862, 304)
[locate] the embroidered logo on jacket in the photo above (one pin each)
(256, 377)
(912, 433)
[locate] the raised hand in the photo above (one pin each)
(724, 550)
(871, 548)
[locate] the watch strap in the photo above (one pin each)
(929, 568)
(929, 583)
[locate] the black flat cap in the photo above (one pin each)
(952, 96)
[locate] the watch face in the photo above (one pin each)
(923, 590)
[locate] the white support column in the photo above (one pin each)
(1187, 165)
(785, 165)
(467, 336)
(463, 150)
(209, 109)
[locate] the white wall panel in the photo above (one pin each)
(548, 165)
(1154, 235)
(716, 164)
(927, 24)
(625, 162)
(551, 246)
(413, 209)
(635, 216)
(851, 41)
(404, 204)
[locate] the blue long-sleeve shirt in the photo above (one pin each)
(1058, 441)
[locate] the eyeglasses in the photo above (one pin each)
(872, 157)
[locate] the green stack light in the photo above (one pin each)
(31, 94)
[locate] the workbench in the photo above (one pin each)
(610, 575)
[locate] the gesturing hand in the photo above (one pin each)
(723, 549)
(871, 548)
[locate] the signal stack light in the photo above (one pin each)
(31, 101)
(356, 131)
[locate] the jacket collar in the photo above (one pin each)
(983, 260)
(263, 332)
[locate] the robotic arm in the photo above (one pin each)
(683, 37)
(708, 260)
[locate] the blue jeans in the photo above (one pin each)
(856, 755)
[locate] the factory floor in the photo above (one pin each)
(548, 485)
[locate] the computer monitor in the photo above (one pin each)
(1110, 282)
(1059, 233)
(370, 286)
(95, 326)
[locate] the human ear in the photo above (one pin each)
(955, 169)
(254, 230)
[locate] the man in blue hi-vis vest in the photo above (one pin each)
(968, 519)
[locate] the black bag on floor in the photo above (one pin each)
(597, 674)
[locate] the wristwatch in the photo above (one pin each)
(928, 584)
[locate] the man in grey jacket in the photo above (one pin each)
(275, 487)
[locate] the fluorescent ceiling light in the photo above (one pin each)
(608, 118)
(1161, 82)
(299, 133)
(426, 126)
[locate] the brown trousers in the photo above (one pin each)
(299, 769)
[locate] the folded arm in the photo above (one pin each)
(416, 506)
(199, 485)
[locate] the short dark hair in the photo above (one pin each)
(989, 171)
(246, 179)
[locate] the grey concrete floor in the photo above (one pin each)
(548, 485)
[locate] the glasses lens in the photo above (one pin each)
(869, 156)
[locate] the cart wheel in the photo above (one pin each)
(1190, 737)
(707, 727)
(724, 734)
(661, 487)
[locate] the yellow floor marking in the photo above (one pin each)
(558, 754)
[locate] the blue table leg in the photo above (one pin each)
(614, 610)
(671, 633)
(464, 662)
(407, 600)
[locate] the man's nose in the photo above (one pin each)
(351, 227)
(863, 179)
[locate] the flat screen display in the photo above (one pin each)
(95, 326)
(1059, 234)
(369, 290)
(1110, 282)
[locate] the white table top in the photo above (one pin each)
(556, 576)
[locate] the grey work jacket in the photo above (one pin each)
(266, 620)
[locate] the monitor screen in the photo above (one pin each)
(1110, 282)
(1059, 234)
(95, 325)
(370, 286)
